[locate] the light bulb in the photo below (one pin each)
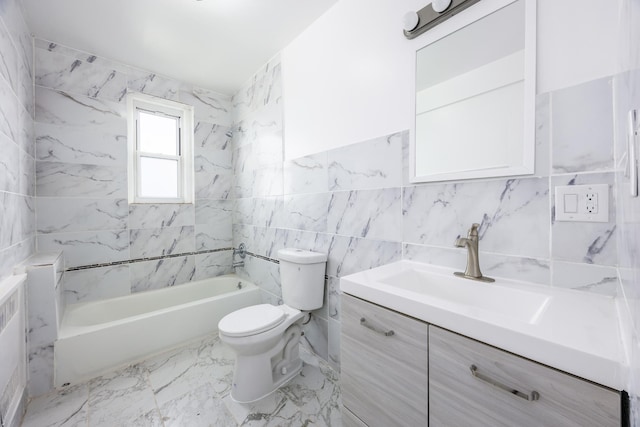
(440, 5)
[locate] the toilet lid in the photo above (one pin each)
(251, 320)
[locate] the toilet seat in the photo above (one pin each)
(251, 320)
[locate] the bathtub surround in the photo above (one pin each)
(114, 248)
(356, 203)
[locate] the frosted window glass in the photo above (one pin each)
(158, 177)
(158, 134)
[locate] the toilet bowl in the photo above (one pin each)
(265, 337)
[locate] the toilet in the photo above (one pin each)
(265, 337)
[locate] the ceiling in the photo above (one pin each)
(215, 44)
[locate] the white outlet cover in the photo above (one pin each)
(588, 203)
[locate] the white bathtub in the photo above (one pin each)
(98, 336)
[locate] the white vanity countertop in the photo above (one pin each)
(576, 332)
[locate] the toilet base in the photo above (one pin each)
(258, 375)
(283, 381)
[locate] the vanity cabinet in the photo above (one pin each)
(386, 357)
(383, 365)
(474, 384)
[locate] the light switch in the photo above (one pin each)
(571, 203)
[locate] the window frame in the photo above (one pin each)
(183, 113)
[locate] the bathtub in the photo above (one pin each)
(97, 336)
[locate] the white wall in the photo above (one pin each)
(349, 77)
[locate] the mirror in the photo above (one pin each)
(475, 95)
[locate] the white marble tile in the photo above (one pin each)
(210, 106)
(587, 242)
(122, 398)
(63, 408)
(13, 255)
(437, 214)
(17, 218)
(308, 240)
(211, 136)
(78, 180)
(9, 111)
(307, 174)
(27, 178)
(375, 214)
(543, 135)
(8, 58)
(213, 184)
(213, 212)
(150, 242)
(149, 275)
(161, 215)
(214, 236)
(96, 283)
(335, 331)
(59, 108)
(268, 212)
(243, 210)
(9, 165)
(63, 214)
(268, 181)
(65, 73)
(350, 254)
(41, 368)
(212, 265)
(582, 130)
(583, 277)
(196, 409)
(333, 298)
(381, 167)
(264, 274)
(152, 84)
(263, 89)
(94, 146)
(27, 132)
(307, 211)
(86, 248)
(243, 184)
(212, 160)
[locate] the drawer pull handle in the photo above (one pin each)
(364, 323)
(530, 397)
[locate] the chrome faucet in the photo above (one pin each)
(242, 251)
(473, 263)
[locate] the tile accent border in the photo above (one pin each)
(153, 258)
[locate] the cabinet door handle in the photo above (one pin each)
(530, 397)
(364, 323)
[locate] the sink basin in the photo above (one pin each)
(577, 332)
(493, 299)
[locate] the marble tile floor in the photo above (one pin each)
(189, 387)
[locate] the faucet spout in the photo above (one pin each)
(472, 270)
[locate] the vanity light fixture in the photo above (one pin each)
(416, 23)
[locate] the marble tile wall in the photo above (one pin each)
(356, 204)
(17, 187)
(81, 175)
(17, 165)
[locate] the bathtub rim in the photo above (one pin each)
(66, 331)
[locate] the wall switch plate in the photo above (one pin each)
(588, 203)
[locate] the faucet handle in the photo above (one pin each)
(473, 231)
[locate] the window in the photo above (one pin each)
(160, 150)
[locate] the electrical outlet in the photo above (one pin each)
(582, 203)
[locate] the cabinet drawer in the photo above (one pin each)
(384, 376)
(489, 398)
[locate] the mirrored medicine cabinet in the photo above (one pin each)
(475, 94)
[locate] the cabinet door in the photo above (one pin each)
(497, 394)
(384, 374)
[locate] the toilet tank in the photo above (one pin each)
(302, 278)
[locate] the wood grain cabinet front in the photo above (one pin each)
(384, 365)
(474, 384)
